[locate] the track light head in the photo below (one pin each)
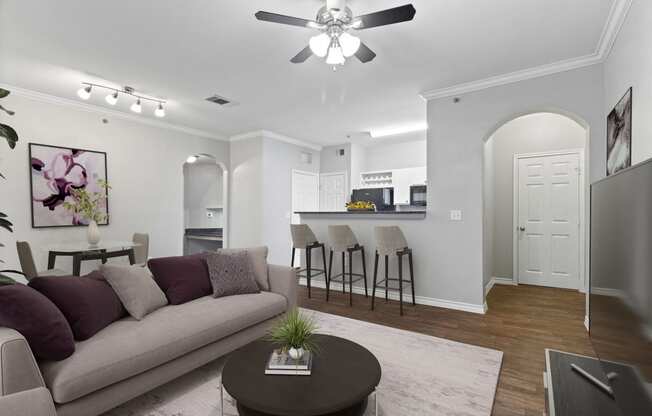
(192, 159)
(112, 98)
(85, 92)
(160, 111)
(137, 107)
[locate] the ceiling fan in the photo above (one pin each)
(335, 21)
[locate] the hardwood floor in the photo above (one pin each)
(522, 321)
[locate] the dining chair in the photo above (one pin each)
(28, 266)
(141, 250)
(303, 238)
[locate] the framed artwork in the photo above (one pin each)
(54, 171)
(619, 135)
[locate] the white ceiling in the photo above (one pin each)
(185, 51)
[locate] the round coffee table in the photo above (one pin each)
(344, 374)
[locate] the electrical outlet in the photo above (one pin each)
(456, 215)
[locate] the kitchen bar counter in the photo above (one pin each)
(365, 214)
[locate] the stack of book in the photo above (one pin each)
(280, 363)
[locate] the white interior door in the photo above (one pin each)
(548, 220)
(305, 193)
(332, 191)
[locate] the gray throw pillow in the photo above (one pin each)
(231, 274)
(136, 289)
(258, 259)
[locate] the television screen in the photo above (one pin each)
(620, 301)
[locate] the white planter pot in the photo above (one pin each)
(93, 234)
(296, 353)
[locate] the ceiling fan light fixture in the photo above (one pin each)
(349, 43)
(319, 44)
(335, 55)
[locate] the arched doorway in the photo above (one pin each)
(533, 161)
(205, 206)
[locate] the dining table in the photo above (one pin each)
(81, 251)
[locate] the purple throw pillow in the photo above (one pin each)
(88, 302)
(182, 278)
(231, 274)
(38, 320)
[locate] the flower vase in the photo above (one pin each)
(296, 353)
(93, 234)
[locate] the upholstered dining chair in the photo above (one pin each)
(28, 266)
(141, 250)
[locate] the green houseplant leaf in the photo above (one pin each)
(295, 330)
(9, 134)
(4, 93)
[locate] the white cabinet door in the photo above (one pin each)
(401, 182)
(418, 176)
(548, 221)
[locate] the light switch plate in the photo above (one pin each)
(456, 215)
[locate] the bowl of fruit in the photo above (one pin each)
(360, 206)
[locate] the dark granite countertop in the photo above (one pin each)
(361, 212)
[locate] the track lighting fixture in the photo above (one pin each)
(192, 159)
(85, 92)
(112, 98)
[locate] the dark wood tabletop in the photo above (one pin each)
(344, 374)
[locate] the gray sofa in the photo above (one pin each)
(130, 357)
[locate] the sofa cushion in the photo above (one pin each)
(38, 319)
(182, 278)
(88, 302)
(136, 289)
(258, 257)
(231, 274)
(129, 347)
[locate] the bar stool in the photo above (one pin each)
(304, 239)
(391, 241)
(342, 240)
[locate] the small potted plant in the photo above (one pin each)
(90, 206)
(295, 334)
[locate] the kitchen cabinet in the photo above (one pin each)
(399, 179)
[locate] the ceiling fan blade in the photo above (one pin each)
(302, 56)
(285, 20)
(364, 54)
(385, 17)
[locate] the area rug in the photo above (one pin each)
(421, 375)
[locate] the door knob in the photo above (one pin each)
(521, 228)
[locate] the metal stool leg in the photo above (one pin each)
(400, 281)
(364, 273)
(308, 267)
(293, 253)
(328, 280)
(386, 278)
(414, 302)
(350, 278)
(343, 272)
(323, 258)
(373, 288)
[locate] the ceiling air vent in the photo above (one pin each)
(219, 100)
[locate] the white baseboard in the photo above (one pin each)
(407, 297)
(504, 281)
(586, 322)
(490, 284)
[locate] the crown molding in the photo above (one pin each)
(275, 136)
(91, 108)
(615, 21)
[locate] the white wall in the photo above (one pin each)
(145, 170)
(396, 155)
(489, 212)
(455, 168)
(630, 65)
(203, 183)
(534, 133)
(261, 201)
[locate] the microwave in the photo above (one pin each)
(418, 195)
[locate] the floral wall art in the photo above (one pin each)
(54, 173)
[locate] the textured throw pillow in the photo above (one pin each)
(182, 278)
(231, 274)
(88, 302)
(136, 289)
(258, 258)
(38, 320)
